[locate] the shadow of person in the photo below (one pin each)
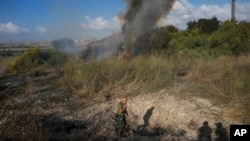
(221, 132)
(146, 118)
(205, 132)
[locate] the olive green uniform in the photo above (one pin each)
(120, 120)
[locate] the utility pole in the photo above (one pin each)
(233, 10)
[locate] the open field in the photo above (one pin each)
(71, 100)
(18, 49)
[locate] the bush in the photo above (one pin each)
(28, 60)
(53, 57)
(34, 57)
(232, 36)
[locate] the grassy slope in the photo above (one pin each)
(223, 80)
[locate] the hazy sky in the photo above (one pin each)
(46, 20)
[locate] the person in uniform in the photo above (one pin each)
(120, 117)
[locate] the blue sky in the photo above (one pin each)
(46, 20)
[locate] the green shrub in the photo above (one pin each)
(34, 57)
(53, 57)
(28, 60)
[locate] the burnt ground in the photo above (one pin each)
(31, 109)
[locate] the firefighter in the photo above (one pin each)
(120, 117)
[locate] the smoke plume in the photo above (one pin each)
(139, 16)
(142, 15)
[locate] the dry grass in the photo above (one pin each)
(88, 78)
(5, 61)
(229, 76)
(223, 80)
(22, 126)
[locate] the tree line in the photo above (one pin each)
(202, 38)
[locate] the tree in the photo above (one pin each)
(205, 26)
(160, 38)
(191, 25)
(232, 36)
